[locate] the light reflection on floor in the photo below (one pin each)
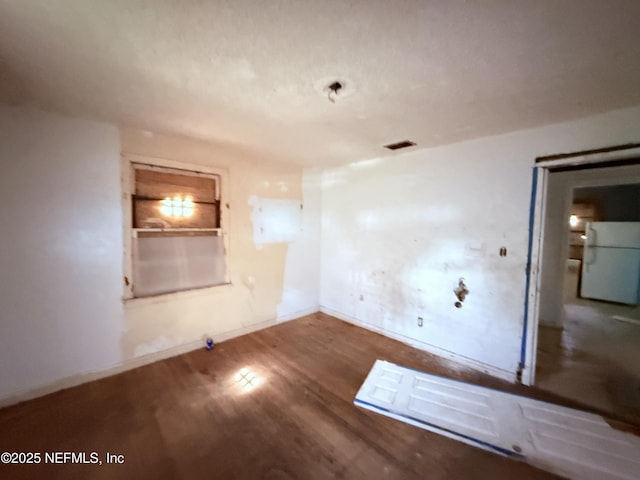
(247, 380)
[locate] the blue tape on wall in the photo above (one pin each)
(525, 322)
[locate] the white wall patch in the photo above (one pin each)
(276, 220)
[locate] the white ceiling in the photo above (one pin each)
(251, 73)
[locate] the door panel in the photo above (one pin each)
(565, 441)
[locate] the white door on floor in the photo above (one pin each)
(562, 440)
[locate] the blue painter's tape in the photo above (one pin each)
(525, 321)
(482, 443)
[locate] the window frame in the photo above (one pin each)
(128, 166)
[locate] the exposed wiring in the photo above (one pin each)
(333, 90)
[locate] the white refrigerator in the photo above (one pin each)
(611, 262)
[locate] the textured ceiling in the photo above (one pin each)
(251, 73)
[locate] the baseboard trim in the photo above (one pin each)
(427, 347)
(143, 360)
(300, 313)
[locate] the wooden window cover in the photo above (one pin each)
(156, 185)
(179, 233)
(153, 187)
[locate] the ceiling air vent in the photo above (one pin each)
(399, 145)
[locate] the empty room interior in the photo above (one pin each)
(308, 240)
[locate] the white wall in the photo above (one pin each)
(63, 320)
(302, 268)
(60, 252)
(398, 233)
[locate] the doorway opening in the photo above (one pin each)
(584, 296)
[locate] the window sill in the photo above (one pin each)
(176, 296)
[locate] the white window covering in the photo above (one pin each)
(174, 263)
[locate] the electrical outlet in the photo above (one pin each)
(419, 321)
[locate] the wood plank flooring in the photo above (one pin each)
(192, 416)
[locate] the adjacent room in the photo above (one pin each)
(309, 240)
(591, 356)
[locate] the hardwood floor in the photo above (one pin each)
(193, 416)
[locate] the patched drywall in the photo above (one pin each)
(63, 319)
(302, 269)
(258, 291)
(398, 234)
(275, 220)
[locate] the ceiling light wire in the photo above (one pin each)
(334, 88)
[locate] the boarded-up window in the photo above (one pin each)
(177, 239)
(174, 200)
